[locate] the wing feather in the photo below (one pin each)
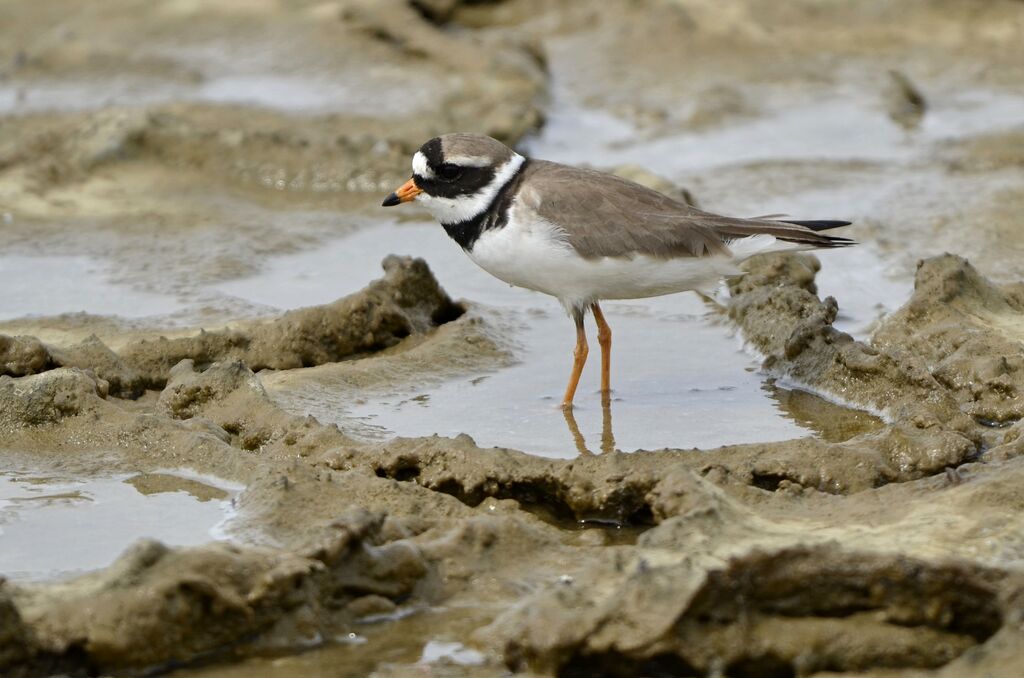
(606, 216)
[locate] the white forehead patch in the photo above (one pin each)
(420, 166)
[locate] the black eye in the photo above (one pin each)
(449, 172)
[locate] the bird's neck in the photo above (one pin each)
(494, 214)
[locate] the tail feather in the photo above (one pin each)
(804, 233)
(822, 241)
(819, 225)
(818, 240)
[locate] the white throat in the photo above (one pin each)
(465, 207)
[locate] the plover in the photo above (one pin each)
(584, 236)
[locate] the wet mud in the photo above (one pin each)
(883, 537)
(777, 542)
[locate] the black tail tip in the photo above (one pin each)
(820, 225)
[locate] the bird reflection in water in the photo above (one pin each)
(607, 435)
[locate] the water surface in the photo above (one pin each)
(54, 524)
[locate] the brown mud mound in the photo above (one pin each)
(406, 301)
(970, 332)
(775, 306)
(156, 606)
(23, 355)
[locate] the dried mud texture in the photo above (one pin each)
(92, 354)
(405, 302)
(27, 355)
(970, 332)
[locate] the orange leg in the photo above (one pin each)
(579, 359)
(604, 337)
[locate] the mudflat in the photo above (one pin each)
(340, 441)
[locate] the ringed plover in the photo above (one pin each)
(583, 236)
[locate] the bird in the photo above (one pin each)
(585, 236)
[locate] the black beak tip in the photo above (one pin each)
(391, 200)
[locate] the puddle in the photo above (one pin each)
(395, 96)
(841, 125)
(52, 285)
(680, 375)
(53, 525)
(829, 421)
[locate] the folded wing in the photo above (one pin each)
(605, 216)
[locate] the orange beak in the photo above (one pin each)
(408, 191)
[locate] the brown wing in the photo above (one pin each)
(606, 216)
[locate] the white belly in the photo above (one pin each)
(531, 254)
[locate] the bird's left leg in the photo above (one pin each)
(579, 358)
(604, 337)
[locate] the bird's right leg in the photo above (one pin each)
(579, 358)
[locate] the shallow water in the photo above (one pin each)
(680, 376)
(54, 524)
(53, 285)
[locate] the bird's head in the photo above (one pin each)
(457, 176)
